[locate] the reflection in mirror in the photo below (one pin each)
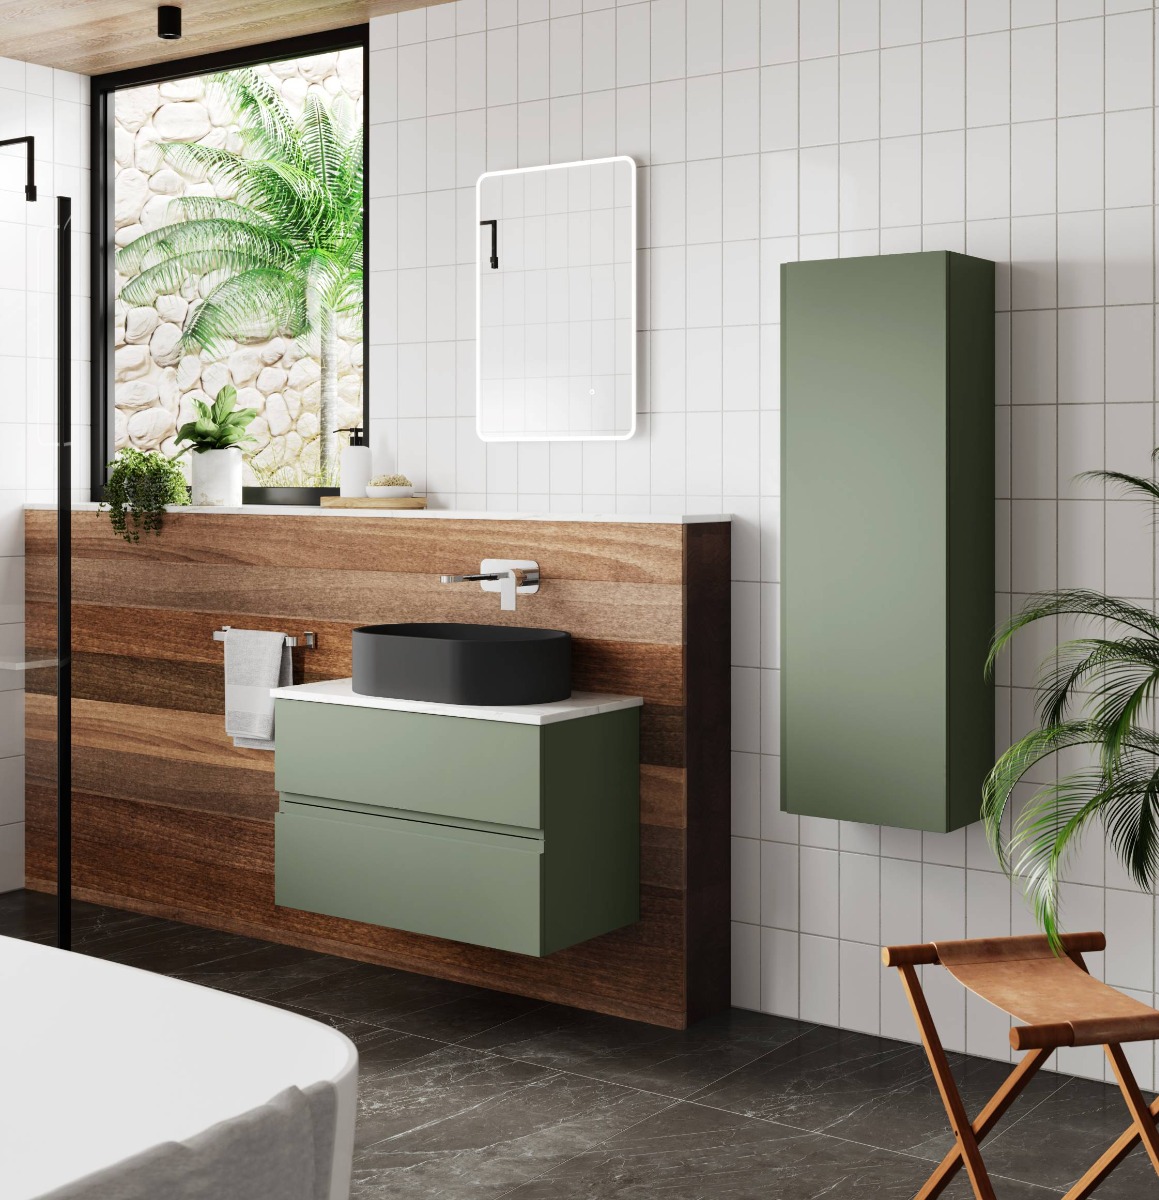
(556, 302)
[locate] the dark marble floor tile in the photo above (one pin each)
(866, 1089)
(30, 916)
(383, 1050)
(909, 1115)
(463, 1123)
(468, 1017)
(413, 1103)
(166, 948)
(688, 1152)
(672, 1062)
(356, 1031)
(1007, 1189)
(1058, 1140)
(378, 995)
(379, 1049)
(820, 1079)
(261, 969)
(93, 923)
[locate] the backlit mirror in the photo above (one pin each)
(555, 302)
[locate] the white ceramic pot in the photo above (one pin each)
(217, 478)
(389, 493)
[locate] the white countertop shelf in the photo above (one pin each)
(581, 704)
(433, 514)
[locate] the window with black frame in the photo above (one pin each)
(232, 201)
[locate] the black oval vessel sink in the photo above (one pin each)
(451, 663)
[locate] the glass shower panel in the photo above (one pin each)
(35, 554)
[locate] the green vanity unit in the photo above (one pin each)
(517, 829)
(887, 554)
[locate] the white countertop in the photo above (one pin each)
(427, 514)
(581, 704)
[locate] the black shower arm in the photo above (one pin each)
(494, 243)
(30, 186)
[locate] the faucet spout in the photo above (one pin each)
(510, 581)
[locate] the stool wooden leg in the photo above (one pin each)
(1143, 1126)
(1135, 1102)
(985, 1121)
(939, 1064)
(1109, 1160)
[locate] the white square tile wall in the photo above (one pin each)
(767, 132)
(52, 106)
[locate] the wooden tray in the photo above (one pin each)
(372, 502)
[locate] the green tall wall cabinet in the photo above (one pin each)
(887, 552)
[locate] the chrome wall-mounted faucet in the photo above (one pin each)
(509, 577)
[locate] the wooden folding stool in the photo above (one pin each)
(1061, 1005)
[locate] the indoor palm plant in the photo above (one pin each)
(285, 254)
(1093, 696)
(216, 436)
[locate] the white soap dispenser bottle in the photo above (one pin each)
(354, 465)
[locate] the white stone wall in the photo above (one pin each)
(155, 384)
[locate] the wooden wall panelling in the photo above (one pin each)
(170, 818)
(707, 761)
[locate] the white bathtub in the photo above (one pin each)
(99, 1062)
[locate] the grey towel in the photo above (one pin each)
(282, 1150)
(255, 662)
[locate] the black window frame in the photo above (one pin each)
(103, 177)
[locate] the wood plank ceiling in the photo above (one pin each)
(94, 37)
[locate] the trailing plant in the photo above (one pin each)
(1093, 698)
(284, 255)
(141, 483)
(217, 427)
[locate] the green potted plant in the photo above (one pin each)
(216, 436)
(141, 484)
(1093, 701)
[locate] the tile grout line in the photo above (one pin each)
(590, 1150)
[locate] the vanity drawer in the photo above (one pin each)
(486, 771)
(454, 883)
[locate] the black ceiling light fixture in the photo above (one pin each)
(169, 22)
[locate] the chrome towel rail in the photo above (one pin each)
(309, 640)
